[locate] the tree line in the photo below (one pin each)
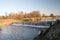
(21, 15)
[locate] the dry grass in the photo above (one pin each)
(5, 22)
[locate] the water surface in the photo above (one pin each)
(16, 32)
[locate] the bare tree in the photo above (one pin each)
(52, 15)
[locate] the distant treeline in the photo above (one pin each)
(22, 15)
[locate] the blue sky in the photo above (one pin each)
(44, 6)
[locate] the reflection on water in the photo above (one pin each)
(15, 32)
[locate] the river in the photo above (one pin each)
(16, 32)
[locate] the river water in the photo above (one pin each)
(16, 32)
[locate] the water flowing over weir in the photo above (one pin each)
(23, 31)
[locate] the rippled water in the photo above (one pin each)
(15, 32)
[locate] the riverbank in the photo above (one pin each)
(52, 33)
(5, 22)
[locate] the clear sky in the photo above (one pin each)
(44, 6)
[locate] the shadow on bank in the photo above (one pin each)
(52, 33)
